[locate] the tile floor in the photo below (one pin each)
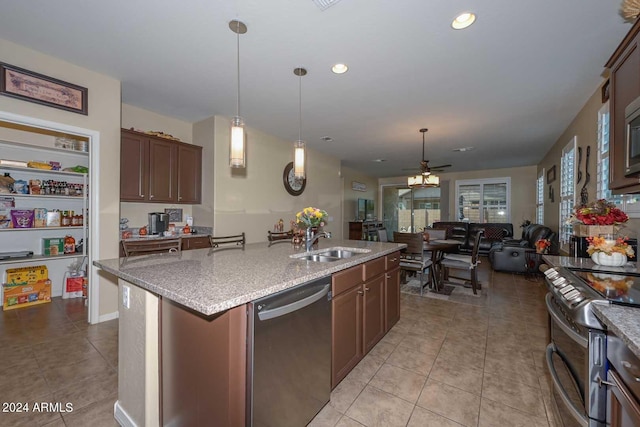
(466, 361)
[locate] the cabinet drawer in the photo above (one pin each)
(392, 261)
(345, 280)
(196, 243)
(374, 268)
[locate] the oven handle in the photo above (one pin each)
(579, 417)
(562, 323)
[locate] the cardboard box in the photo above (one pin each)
(18, 296)
(6, 203)
(53, 219)
(582, 230)
(52, 246)
(26, 275)
(39, 217)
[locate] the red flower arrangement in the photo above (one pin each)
(599, 212)
(542, 245)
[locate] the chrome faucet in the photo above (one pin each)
(311, 238)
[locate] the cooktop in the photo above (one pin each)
(618, 287)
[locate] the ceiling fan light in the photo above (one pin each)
(422, 181)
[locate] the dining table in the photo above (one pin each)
(438, 248)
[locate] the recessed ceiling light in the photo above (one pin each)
(463, 149)
(339, 68)
(379, 160)
(463, 20)
(327, 139)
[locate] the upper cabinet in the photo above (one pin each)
(624, 87)
(158, 170)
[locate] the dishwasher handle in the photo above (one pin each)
(294, 306)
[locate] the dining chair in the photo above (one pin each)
(462, 262)
(237, 240)
(151, 246)
(382, 235)
(413, 259)
(279, 236)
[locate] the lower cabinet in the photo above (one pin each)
(365, 305)
(200, 242)
(203, 366)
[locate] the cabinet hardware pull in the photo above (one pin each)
(388, 276)
(151, 196)
(367, 289)
(394, 259)
(360, 293)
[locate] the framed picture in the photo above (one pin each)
(33, 87)
(551, 174)
(175, 215)
(358, 186)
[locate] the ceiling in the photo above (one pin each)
(508, 86)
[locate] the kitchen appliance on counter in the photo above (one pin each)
(158, 223)
(576, 355)
(289, 355)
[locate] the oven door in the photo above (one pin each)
(568, 362)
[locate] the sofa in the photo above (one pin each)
(465, 232)
(519, 255)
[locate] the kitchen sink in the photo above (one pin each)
(319, 258)
(339, 253)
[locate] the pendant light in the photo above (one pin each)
(426, 178)
(299, 149)
(237, 143)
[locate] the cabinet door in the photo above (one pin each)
(373, 318)
(189, 174)
(346, 326)
(134, 152)
(163, 170)
(195, 243)
(391, 298)
(625, 87)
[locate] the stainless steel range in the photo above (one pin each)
(576, 355)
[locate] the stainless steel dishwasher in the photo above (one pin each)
(289, 355)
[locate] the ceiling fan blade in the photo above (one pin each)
(440, 167)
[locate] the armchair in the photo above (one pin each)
(518, 255)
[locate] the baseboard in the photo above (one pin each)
(108, 316)
(121, 416)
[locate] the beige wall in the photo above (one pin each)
(103, 117)
(351, 196)
(523, 189)
(254, 199)
(144, 120)
(203, 134)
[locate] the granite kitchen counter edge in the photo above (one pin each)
(622, 321)
(158, 237)
(210, 281)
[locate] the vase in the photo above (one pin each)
(616, 259)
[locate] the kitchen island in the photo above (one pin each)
(621, 320)
(183, 322)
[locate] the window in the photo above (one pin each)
(540, 198)
(483, 200)
(629, 203)
(409, 210)
(567, 190)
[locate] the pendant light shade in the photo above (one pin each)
(299, 147)
(237, 143)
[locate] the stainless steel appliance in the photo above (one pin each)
(289, 355)
(576, 355)
(158, 222)
(632, 138)
(623, 399)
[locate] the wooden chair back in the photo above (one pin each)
(151, 246)
(382, 235)
(237, 240)
(412, 240)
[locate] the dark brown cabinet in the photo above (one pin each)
(366, 303)
(203, 366)
(158, 170)
(359, 230)
(624, 87)
(200, 242)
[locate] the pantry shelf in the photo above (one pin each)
(42, 171)
(41, 257)
(77, 227)
(44, 196)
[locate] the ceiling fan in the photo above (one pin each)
(424, 164)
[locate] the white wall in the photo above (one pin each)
(254, 199)
(103, 117)
(351, 196)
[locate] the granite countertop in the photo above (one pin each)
(622, 321)
(158, 237)
(213, 280)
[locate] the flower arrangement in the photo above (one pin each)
(599, 212)
(600, 244)
(311, 217)
(542, 246)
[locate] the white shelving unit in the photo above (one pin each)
(30, 239)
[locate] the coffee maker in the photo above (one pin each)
(158, 223)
